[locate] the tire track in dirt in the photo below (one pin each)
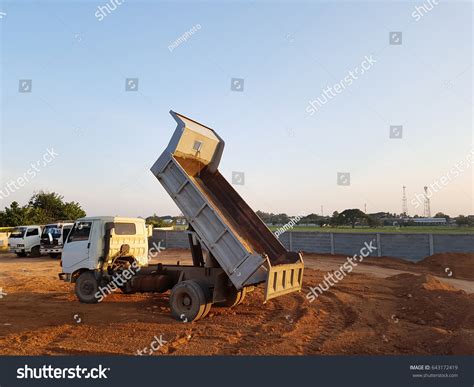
(262, 327)
(324, 321)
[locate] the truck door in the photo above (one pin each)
(76, 250)
(32, 238)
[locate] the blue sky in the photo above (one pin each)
(287, 53)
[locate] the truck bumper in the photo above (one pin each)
(17, 250)
(50, 250)
(65, 277)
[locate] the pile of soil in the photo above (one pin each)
(460, 265)
(426, 301)
(448, 265)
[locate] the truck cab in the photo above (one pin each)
(53, 237)
(99, 248)
(25, 240)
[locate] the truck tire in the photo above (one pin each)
(234, 298)
(35, 252)
(86, 288)
(189, 301)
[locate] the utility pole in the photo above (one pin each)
(427, 212)
(404, 202)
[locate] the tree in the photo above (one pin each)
(441, 215)
(335, 220)
(72, 210)
(51, 207)
(322, 221)
(264, 216)
(280, 219)
(462, 220)
(311, 218)
(14, 216)
(156, 221)
(372, 221)
(351, 216)
(42, 208)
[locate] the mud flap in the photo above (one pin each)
(283, 279)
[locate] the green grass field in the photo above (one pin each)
(387, 229)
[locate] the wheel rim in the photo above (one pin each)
(185, 302)
(87, 288)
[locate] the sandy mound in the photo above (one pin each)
(411, 282)
(425, 300)
(460, 265)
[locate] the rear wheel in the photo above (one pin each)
(35, 251)
(234, 298)
(190, 301)
(86, 288)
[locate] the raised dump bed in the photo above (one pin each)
(223, 222)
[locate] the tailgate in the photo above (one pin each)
(284, 279)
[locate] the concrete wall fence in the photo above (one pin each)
(412, 247)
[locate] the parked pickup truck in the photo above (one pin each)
(53, 237)
(25, 240)
(232, 250)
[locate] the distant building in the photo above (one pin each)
(181, 222)
(429, 221)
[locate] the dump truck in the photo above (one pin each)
(232, 250)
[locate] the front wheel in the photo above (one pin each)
(35, 252)
(87, 288)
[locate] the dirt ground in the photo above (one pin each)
(383, 307)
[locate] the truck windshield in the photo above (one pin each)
(53, 230)
(80, 232)
(18, 232)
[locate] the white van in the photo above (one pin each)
(25, 240)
